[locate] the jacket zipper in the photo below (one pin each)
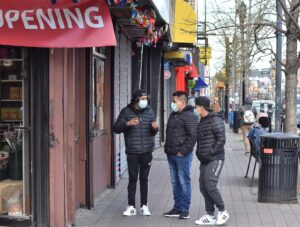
(141, 129)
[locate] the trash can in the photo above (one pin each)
(230, 120)
(278, 170)
(236, 121)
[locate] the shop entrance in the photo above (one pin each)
(99, 167)
(14, 133)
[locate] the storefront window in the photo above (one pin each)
(14, 180)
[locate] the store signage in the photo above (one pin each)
(56, 23)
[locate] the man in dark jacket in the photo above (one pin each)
(210, 151)
(180, 141)
(137, 122)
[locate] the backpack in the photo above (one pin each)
(248, 117)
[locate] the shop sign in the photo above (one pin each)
(205, 52)
(56, 23)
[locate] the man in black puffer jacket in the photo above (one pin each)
(180, 142)
(137, 122)
(210, 151)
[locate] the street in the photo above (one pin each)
(240, 200)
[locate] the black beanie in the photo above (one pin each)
(203, 101)
(137, 94)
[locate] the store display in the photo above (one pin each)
(11, 195)
(11, 141)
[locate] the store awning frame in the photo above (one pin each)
(184, 27)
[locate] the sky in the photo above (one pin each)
(218, 51)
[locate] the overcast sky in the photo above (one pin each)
(218, 51)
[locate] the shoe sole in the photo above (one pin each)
(144, 214)
(129, 215)
(184, 217)
(204, 223)
(172, 215)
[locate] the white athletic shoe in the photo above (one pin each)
(145, 210)
(130, 211)
(206, 220)
(222, 217)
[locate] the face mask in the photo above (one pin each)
(143, 104)
(196, 113)
(174, 107)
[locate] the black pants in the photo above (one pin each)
(138, 163)
(209, 176)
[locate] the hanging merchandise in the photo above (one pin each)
(120, 3)
(153, 37)
(146, 18)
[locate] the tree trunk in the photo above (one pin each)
(292, 65)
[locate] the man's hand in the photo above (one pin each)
(179, 154)
(133, 122)
(154, 125)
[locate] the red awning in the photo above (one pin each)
(56, 23)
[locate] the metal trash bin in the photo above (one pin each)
(278, 170)
(236, 121)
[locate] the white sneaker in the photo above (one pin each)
(145, 210)
(222, 217)
(130, 211)
(206, 220)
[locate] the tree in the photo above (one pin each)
(260, 27)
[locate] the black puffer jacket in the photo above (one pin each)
(139, 139)
(181, 132)
(211, 138)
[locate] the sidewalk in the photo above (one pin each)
(240, 199)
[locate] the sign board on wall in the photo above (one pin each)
(56, 23)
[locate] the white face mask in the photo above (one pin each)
(143, 104)
(196, 113)
(174, 107)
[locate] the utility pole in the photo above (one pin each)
(242, 16)
(278, 101)
(226, 102)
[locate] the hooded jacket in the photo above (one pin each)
(211, 138)
(181, 132)
(139, 139)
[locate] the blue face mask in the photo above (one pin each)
(174, 107)
(143, 104)
(196, 113)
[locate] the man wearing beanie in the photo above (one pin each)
(137, 122)
(210, 152)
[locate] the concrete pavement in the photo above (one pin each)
(240, 199)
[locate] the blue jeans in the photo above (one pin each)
(180, 169)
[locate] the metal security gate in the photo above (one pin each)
(122, 96)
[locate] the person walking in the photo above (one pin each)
(248, 114)
(210, 152)
(180, 141)
(137, 122)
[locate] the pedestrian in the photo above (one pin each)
(248, 114)
(210, 152)
(191, 98)
(216, 106)
(180, 141)
(137, 122)
(258, 128)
